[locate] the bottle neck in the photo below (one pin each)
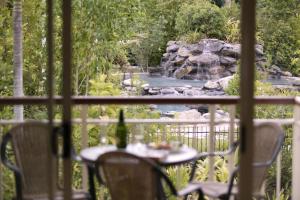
(121, 117)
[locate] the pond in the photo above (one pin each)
(164, 82)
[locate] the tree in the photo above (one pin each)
(18, 57)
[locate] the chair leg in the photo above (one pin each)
(91, 183)
(200, 195)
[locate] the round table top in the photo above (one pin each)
(163, 157)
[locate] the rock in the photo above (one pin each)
(259, 50)
(233, 69)
(153, 70)
(216, 70)
(172, 48)
(130, 89)
(296, 84)
(183, 52)
(130, 83)
(209, 59)
(225, 81)
(212, 85)
(226, 73)
(286, 73)
(165, 57)
(153, 92)
(205, 59)
(215, 93)
(170, 114)
(196, 49)
(171, 43)
(275, 68)
(153, 107)
(180, 89)
(188, 86)
(218, 116)
(192, 92)
(145, 85)
(179, 60)
(166, 91)
(232, 50)
(189, 114)
(203, 109)
(127, 82)
(212, 45)
(179, 73)
(225, 60)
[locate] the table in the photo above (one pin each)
(162, 157)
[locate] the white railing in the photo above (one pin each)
(180, 128)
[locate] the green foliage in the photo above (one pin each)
(203, 17)
(278, 27)
(191, 37)
(179, 177)
(155, 28)
(220, 166)
(232, 25)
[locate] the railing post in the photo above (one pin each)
(278, 176)
(84, 143)
(1, 176)
(194, 137)
(211, 142)
(296, 152)
(231, 137)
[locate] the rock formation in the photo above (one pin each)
(209, 59)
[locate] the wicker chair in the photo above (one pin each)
(269, 138)
(30, 143)
(129, 177)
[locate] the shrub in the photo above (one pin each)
(203, 17)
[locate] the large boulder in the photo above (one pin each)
(172, 48)
(212, 85)
(183, 52)
(232, 50)
(225, 60)
(224, 82)
(204, 59)
(212, 45)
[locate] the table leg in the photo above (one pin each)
(91, 173)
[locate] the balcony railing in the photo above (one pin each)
(205, 135)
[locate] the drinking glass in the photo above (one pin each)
(102, 136)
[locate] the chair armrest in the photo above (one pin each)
(7, 137)
(190, 188)
(17, 172)
(231, 149)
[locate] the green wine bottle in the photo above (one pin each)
(121, 132)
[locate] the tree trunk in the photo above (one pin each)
(228, 3)
(18, 57)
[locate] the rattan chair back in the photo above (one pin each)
(31, 142)
(268, 141)
(128, 177)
